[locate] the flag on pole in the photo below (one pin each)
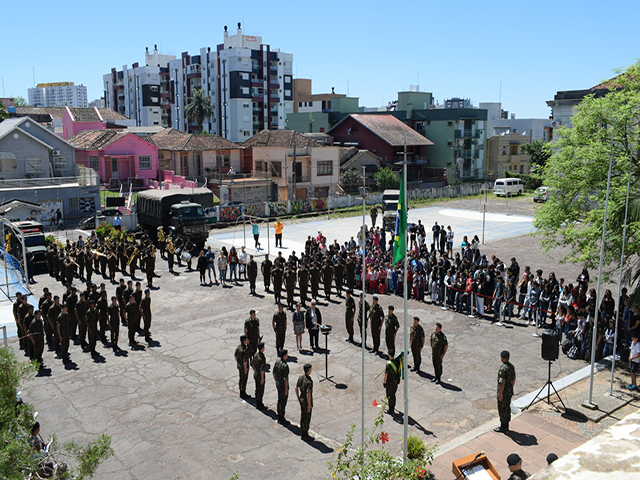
(400, 238)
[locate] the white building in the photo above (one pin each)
(59, 94)
(250, 86)
(500, 122)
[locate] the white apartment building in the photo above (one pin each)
(250, 86)
(58, 94)
(141, 93)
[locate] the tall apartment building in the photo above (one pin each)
(141, 93)
(58, 94)
(249, 83)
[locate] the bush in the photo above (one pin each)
(386, 179)
(417, 449)
(107, 230)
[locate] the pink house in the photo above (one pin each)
(75, 120)
(117, 156)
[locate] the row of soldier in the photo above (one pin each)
(81, 259)
(85, 316)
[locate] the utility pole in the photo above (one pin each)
(294, 166)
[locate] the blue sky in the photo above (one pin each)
(377, 48)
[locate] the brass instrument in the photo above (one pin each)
(160, 235)
(133, 255)
(170, 248)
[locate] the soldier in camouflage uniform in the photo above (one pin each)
(439, 347)
(281, 377)
(367, 307)
(416, 338)
(348, 316)
(304, 392)
(252, 331)
(506, 381)
(242, 362)
(390, 383)
(391, 326)
(376, 317)
(280, 327)
(259, 363)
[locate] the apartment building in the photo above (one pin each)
(58, 94)
(249, 83)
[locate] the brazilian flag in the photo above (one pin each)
(400, 238)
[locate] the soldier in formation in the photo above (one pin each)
(439, 347)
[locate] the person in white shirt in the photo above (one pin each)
(634, 360)
(450, 236)
(242, 260)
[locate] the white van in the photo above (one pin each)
(505, 186)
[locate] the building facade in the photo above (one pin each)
(59, 94)
(499, 121)
(249, 83)
(504, 154)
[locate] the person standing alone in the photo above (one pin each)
(304, 392)
(278, 226)
(506, 381)
(439, 347)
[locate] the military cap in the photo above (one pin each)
(283, 352)
(375, 298)
(439, 325)
(260, 345)
(513, 459)
(243, 338)
(552, 457)
(505, 354)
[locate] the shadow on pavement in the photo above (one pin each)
(121, 353)
(153, 344)
(523, 439)
(44, 372)
(97, 358)
(317, 444)
(399, 418)
(70, 365)
(292, 359)
(575, 416)
(448, 386)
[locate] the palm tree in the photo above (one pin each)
(199, 107)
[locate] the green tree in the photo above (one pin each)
(16, 458)
(20, 101)
(577, 174)
(386, 179)
(199, 107)
(350, 180)
(3, 112)
(539, 153)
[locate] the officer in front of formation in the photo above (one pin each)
(416, 338)
(281, 377)
(439, 347)
(376, 317)
(506, 382)
(266, 267)
(391, 326)
(350, 305)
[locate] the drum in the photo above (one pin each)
(186, 256)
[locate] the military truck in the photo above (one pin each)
(182, 210)
(34, 241)
(390, 200)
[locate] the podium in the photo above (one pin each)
(478, 469)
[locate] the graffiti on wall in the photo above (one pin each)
(277, 208)
(254, 210)
(301, 206)
(321, 204)
(230, 214)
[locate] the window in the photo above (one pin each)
(74, 205)
(245, 90)
(299, 104)
(33, 165)
(513, 149)
(247, 133)
(94, 162)
(504, 150)
(59, 163)
(325, 168)
(144, 162)
(114, 165)
(245, 105)
(226, 161)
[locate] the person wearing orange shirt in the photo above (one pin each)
(278, 226)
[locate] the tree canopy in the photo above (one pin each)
(386, 179)
(539, 153)
(577, 176)
(199, 106)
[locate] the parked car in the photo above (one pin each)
(541, 194)
(232, 204)
(89, 223)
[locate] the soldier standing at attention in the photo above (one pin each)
(280, 327)
(252, 331)
(391, 326)
(281, 377)
(259, 364)
(252, 273)
(28, 318)
(145, 308)
(515, 467)
(439, 347)
(36, 336)
(242, 362)
(265, 267)
(376, 317)
(54, 311)
(103, 307)
(366, 316)
(92, 326)
(338, 273)
(391, 381)
(114, 322)
(290, 285)
(132, 312)
(62, 326)
(303, 283)
(304, 392)
(327, 277)
(416, 339)
(81, 316)
(350, 304)
(350, 268)
(277, 282)
(374, 216)
(506, 381)
(314, 276)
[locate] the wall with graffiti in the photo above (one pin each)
(254, 210)
(321, 204)
(230, 214)
(302, 206)
(277, 208)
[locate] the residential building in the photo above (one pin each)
(29, 150)
(323, 120)
(499, 121)
(388, 138)
(53, 117)
(98, 103)
(504, 153)
(20, 210)
(75, 120)
(118, 157)
(457, 102)
(58, 94)
(354, 158)
(305, 101)
(302, 167)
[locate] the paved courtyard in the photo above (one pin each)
(172, 407)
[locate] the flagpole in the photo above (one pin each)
(589, 404)
(362, 302)
(406, 337)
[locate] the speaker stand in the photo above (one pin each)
(548, 386)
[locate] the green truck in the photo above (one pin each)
(182, 210)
